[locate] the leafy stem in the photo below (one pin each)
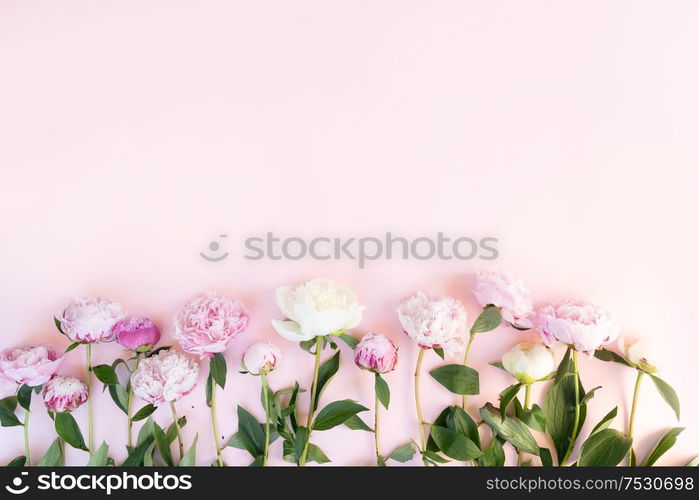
(311, 409)
(576, 421)
(418, 408)
(265, 391)
(465, 363)
(632, 417)
(376, 425)
(88, 383)
(177, 427)
(129, 405)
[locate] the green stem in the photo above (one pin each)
(632, 417)
(465, 363)
(418, 408)
(214, 425)
(26, 437)
(311, 410)
(177, 426)
(265, 392)
(527, 397)
(376, 430)
(88, 383)
(576, 421)
(129, 405)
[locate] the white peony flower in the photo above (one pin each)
(528, 362)
(315, 308)
(165, 377)
(262, 357)
(638, 351)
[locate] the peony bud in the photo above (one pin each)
(638, 351)
(585, 327)
(262, 357)
(376, 353)
(32, 365)
(528, 362)
(64, 394)
(90, 320)
(165, 377)
(434, 322)
(137, 334)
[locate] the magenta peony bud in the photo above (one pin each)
(434, 322)
(207, 324)
(585, 327)
(33, 365)
(376, 353)
(62, 394)
(507, 293)
(165, 377)
(137, 334)
(262, 357)
(91, 320)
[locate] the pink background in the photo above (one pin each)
(132, 133)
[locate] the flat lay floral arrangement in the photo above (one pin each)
(319, 314)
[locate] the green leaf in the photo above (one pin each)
(507, 396)
(163, 444)
(605, 448)
(54, 456)
(100, 458)
(106, 374)
(67, 428)
(439, 352)
(336, 413)
(349, 340)
(458, 379)
(24, 396)
(325, 373)
(171, 433)
(498, 364)
(219, 369)
(665, 442)
(454, 444)
(535, 418)
(403, 453)
(71, 347)
(357, 424)
(144, 412)
(610, 356)
(302, 436)
(433, 457)
(146, 432)
(190, 458)
(488, 320)
(19, 461)
(560, 412)
(668, 394)
(564, 367)
(120, 396)
(511, 430)
(692, 463)
(7, 412)
(545, 455)
(589, 395)
(209, 389)
(382, 390)
(250, 433)
(494, 455)
(57, 322)
(316, 455)
(605, 422)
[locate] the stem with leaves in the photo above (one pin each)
(376, 429)
(88, 383)
(265, 392)
(26, 437)
(311, 410)
(418, 408)
(527, 397)
(214, 425)
(632, 417)
(129, 405)
(177, 427)
(465, 363)
(576, 421)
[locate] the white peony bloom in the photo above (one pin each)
(528, 362)
(165, 377)
(638, 351)
(262, 357)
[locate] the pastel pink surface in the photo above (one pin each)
(133, 134)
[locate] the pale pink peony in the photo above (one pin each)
(91, 320)
(32, 365)
(507, 293)
(262, 357)
(137, 334)
(208, 323)
(62, 394)
(376, 353)
(165, 377)
(7, 386)
(434, 322)
(585, 327)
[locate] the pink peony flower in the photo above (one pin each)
(434, 322)
(207, 324)
(510, 295)
(137, 334)
(91, 320)
(376, 353)
(62, 394)
(165, 377)
(262, 357)
(33, 365)
(584, 326)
